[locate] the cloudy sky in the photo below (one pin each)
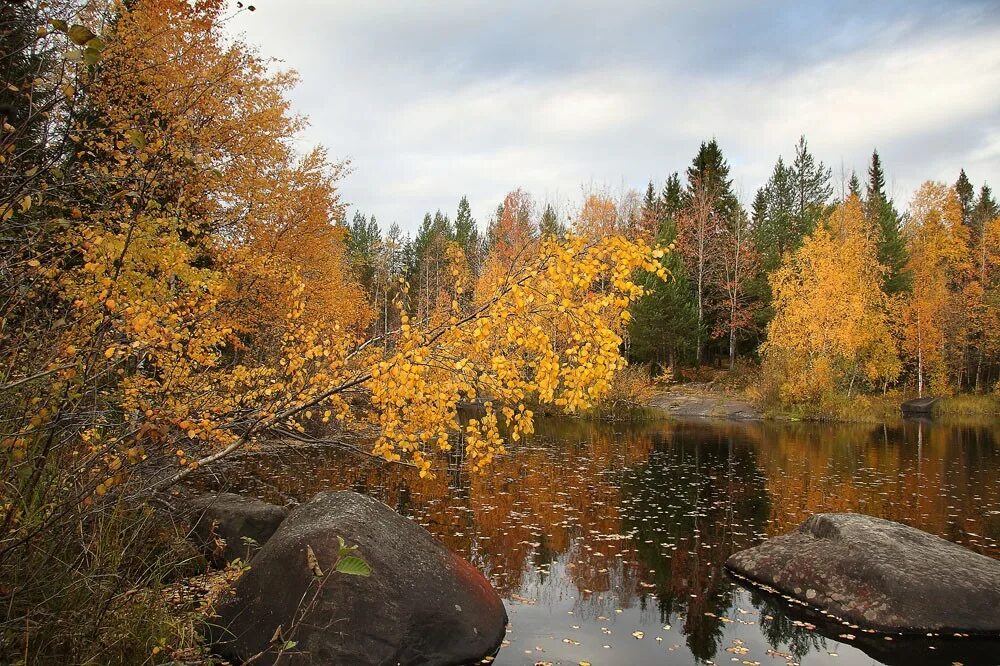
(432, 100)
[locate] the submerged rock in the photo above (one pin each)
(879, 574)
(422, 604)
(243, 524)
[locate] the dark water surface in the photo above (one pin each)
(607, 541)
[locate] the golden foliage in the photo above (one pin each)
(830, 325)
(938, 246)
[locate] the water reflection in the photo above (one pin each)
(593, 532)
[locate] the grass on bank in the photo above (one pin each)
(94, 591)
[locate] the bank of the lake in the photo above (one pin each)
(707, 400)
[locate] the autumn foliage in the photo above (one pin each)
(831, 329)
(177, 286)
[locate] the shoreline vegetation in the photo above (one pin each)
(736, 395)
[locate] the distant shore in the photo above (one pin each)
(705, 400)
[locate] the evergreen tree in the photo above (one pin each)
(758, 209)
(650, 212)
(664, 320)
(983, 213)
(491, 230)
(854, 185)
(710, 208)
(549, 225)
(362, 240)
(709, 171)
(882, 217)
(813, 189)
(649, 201)
(671, 199)
(428, 271)
(466, 232)
(775, 228)
(966, 196)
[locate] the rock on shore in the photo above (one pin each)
(879, 574)
(422, 604)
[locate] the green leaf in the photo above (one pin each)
(80, 34)
(344, 548)
(353, 566)
(96, 43)
(91, 56)
(59, 25)
(136, 137)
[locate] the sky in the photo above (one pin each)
(430, 101)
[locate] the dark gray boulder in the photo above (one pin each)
(227, 526)
(422, 604)
(879, 575)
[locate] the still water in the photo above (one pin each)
(607, 541)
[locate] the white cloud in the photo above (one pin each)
(433, 101)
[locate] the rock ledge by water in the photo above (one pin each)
(880, 575)
(421, 605)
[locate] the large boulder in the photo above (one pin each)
(879, 574)
(227, 526)
(422, 604)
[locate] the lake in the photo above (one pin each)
(607, 541)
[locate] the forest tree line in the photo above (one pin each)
(830, 290)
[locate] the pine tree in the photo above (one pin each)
(709, 206)
(549, 224)
(758, 209)
(491, 230)
(709, 171)
(664, 320)
(883, 219)
(671, 198)
(649, 201)
(966, 196)
(650, 212)
(775, 217)
(854, 185)
(362, 240)
(985, 210)
(467, 234)
(813, 189)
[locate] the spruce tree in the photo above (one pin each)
(709, 171)
(884, 220)
(549, 224)
(854, 185)
(671, 199)
(985, 210)
(813, 189)
(466, 232)
(665, 319)
(491, 230)
(362, 240)
(966, 196)
(775, 229)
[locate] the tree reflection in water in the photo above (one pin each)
(592, 530)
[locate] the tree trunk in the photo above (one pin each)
(920, 360)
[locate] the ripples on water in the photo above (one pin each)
(607, 541)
